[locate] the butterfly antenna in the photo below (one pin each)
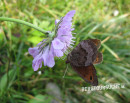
(65, 70)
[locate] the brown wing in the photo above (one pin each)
(98, 59)
(91, 51)
(97, 42)
(88, 73)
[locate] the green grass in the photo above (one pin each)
(93, 19)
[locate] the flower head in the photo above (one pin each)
(55, 46)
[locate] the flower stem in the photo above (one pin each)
(24, 23)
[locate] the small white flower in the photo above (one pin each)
(116, 12)
(39, 72)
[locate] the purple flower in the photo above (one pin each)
(60, 40)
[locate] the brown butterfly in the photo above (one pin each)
(82, 58)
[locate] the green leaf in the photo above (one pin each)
(35, 39)
(40, 99)
(36, 33)
(7, 80)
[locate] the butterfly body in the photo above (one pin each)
(82, 57)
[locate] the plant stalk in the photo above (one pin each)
(24, 23)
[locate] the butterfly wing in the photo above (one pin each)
(98, 59)
(97, 42)
(91, 51)
(88, 73)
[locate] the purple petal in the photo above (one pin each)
(64, 31)
(65, 26)
(57, 52)
(50, 59)
(65, 39)
(70, 14)
(45, 53)
(33, 51)
(37, 62)
(68, 17)
(57, 44)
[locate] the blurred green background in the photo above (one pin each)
(107, 20)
